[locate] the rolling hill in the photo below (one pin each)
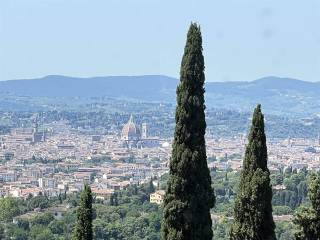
(277, 95)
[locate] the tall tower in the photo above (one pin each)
(144, 132)
(35, 124)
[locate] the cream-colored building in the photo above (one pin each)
(157, 197)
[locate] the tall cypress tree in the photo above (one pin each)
(253, 210)
(83, 228)
(189, 195)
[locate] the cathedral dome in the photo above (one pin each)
(130, 131)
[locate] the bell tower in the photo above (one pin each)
(144, 132)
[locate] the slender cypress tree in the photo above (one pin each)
(253, 210)
(189, 195)
(83, 228)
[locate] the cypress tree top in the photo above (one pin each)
(253, 209)
(189, 195)
(83, 228)
(256, 151)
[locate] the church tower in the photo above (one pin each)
(144, 132)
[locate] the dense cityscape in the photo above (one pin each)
(55, 157)
(226, 147)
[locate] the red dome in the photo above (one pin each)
(130, 131)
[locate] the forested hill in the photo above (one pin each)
(278, 95)
(146, 88)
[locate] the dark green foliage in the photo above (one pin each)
(295, 192)
(9, 208)
(150, 187)
(114, 199)
(42, 219)
(285, 230)
(134, 218)
(83, 228)
(253, 211)
(38, 202)
(308, 219)
(189, 194)
(314, 193)
(39, 232)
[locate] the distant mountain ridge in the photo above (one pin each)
(148, 88)
(277, 95)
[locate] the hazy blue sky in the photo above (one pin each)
(243, 39)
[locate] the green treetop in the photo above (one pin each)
(189, 195)
(308, 219)
(83, 228)
(253, 210)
